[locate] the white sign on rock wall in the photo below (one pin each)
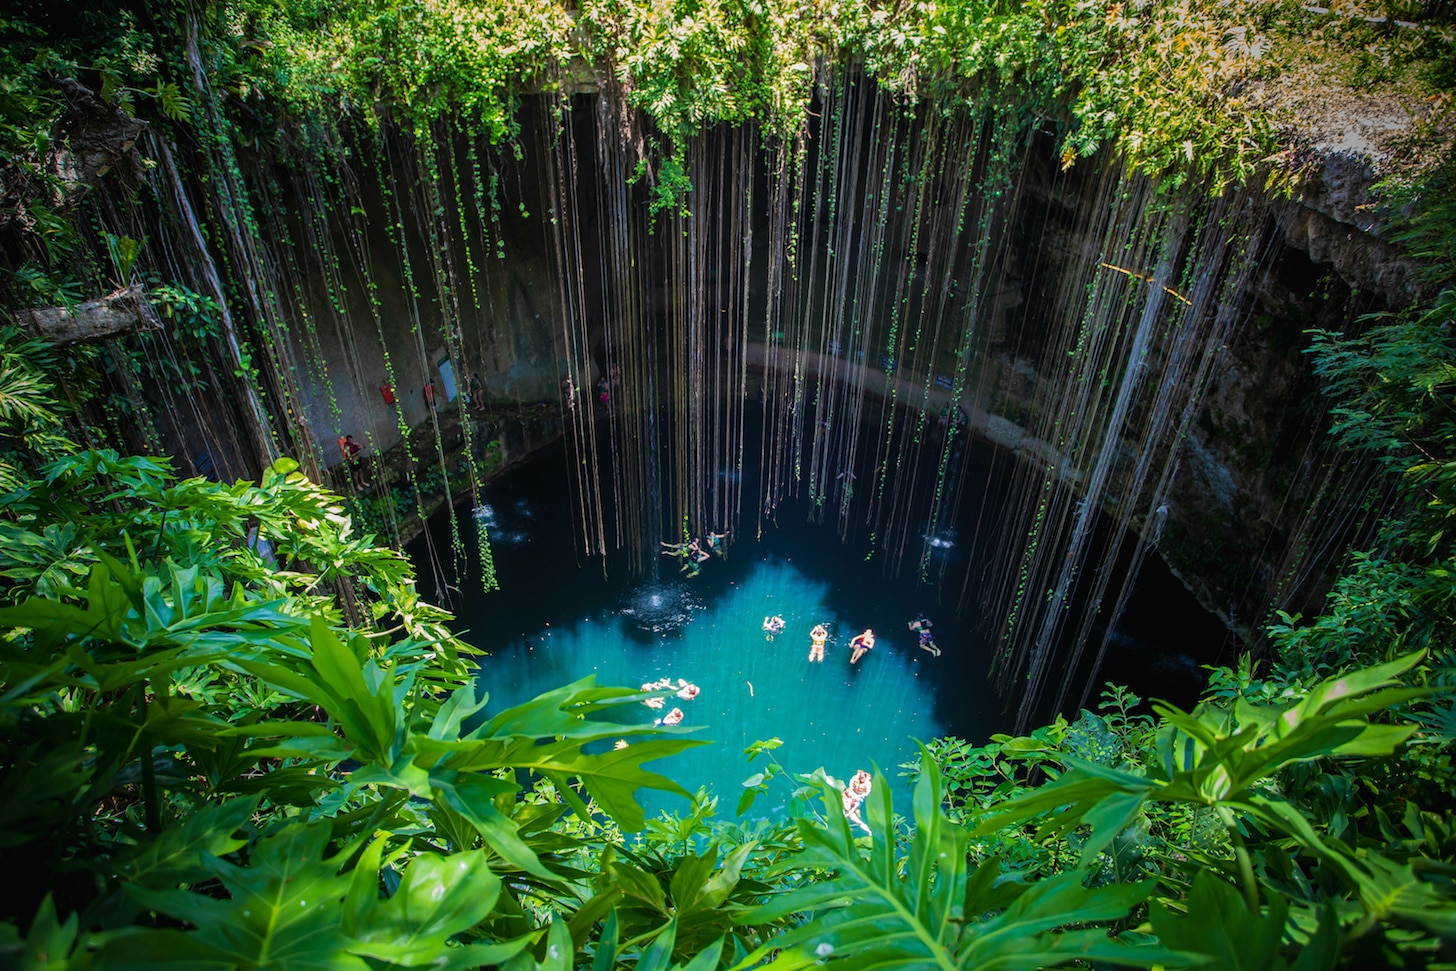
(447, 373)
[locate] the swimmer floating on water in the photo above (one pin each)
(817, 637)
(773, 626)
(673, 717)
(861, 643)
(855, 793)
(922, 624)
(653, 702)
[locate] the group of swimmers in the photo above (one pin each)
(693, 553)
(685, 690)
(859, 645)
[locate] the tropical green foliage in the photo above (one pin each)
(1160, 82)
(236, 738)
(193, 731)
(233, 736)
(1248, 816)
(31, 418)
(877, 907)
(1153, 79)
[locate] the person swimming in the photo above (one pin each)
(817, 638)
(673, 717)
(773, 626)
(686, 690)
(855, 793)
(922, 625)
(861, 643)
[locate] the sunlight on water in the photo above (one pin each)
(754, 687)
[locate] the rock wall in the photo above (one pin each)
(1262, 510)
(1243, 525)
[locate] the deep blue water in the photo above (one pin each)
(558, 618)
(554, 621)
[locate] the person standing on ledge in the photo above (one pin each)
(861, 643)
(429, 392)
(477, 393)
(350, 450)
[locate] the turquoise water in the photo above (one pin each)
(560, 617)
(753, 687)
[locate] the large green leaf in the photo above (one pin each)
(1216, 923)
(877, 909)
(438, 897)
(178, 855)
(284, 909)
(549, 736)
(51, 944)
(1219, 754)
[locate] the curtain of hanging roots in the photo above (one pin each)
(857, 279)
(561, 187)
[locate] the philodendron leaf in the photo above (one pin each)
(884, 910)
(437, 898)
(548, 736)
(558, 952)
(284, 909)
(177, 856)
(1219, 753)
(473, 797)
(1217, 924)
(49, 945)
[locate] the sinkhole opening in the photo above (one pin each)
(561, 615)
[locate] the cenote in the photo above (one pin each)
(560, 616)
(367, 368)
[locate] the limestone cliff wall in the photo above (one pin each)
(1245, 521)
